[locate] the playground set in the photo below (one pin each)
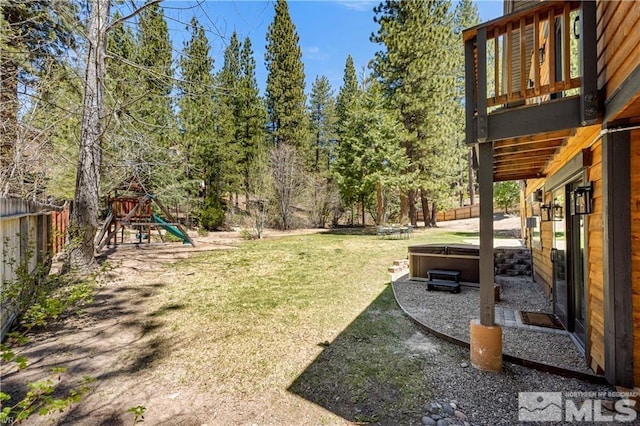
(134, 210)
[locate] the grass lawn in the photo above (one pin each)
(313, 316)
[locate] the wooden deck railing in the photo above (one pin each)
(528, 61)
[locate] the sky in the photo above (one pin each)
(329, 30)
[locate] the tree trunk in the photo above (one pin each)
(434, 214)
(83, 222)
(379, 205)
(411, 199)
(426, 213)
(363, 212)
(403, 208)
(472, 187)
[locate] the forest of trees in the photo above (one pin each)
(89, 98)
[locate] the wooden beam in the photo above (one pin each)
(527, 147)
(535, 62)
(523, 155)
(617, 260)
(560, 114)
(485, 181)
(481, 48)
(496, 64)
(470, 94)
(566, 46)
(590, 105)
(541, 8)
(516, 167)
(626, 94)
(538, 137)
(509, 61)
(523, 58)
(551, 49)
(499, 177)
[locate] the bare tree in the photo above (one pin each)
(84, 216)
(260, 182)
(288, 181)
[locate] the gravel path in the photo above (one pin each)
(469, 396)
(451, 313)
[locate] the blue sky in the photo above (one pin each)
(329, 30)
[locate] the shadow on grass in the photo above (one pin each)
(365, 374)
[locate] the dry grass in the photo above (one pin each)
(312, 315)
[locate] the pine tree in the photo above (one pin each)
(34, 34)
(323, 121)
(347, 94)
(152, 122)
(56, 112)
(251, 119)
(229, 106)
(197, 112)
(126, 140)
(418, 72)
(370, 159)
(155, 56)
(322, 118)
(465, 16)
(285, 82)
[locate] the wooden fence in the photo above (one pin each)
(466, 212)
(28, 239)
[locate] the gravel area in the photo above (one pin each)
(451, 313)
(463, 395)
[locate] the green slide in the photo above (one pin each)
(171, 229)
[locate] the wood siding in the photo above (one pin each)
(595, 275)
(543, 269)
(635, 250)
(618, 29)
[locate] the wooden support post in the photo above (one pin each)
(485, 338)
(119, 225)
(483, 131)
(470, 93)
(496, 65)
(523, 58)
(617, 260)
(535, 61)
(550, 52)
(485, 180)
(589, 105)
(566, 46)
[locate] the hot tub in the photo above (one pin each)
(456, 257)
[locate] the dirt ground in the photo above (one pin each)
(111, 342)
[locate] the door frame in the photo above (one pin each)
(582, 342)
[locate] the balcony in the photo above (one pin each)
(531, 80)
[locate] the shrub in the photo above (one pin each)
(212, 216)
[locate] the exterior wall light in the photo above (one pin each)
(581, 200)
(551, 211)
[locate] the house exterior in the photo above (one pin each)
(553, 101)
